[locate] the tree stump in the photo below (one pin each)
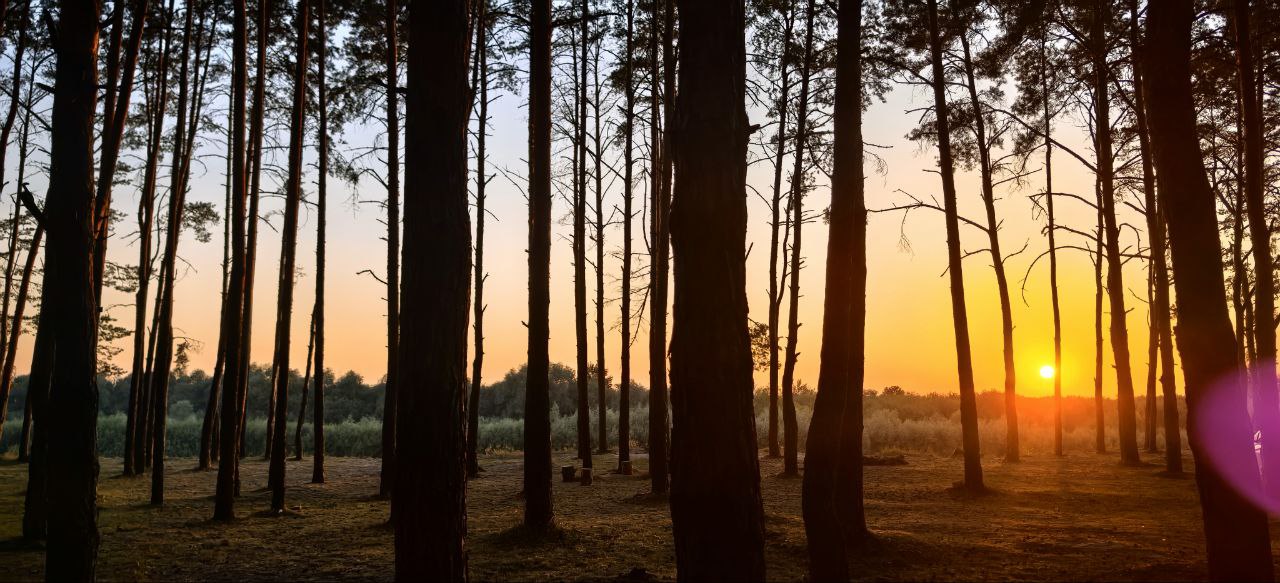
(624, 467)
(568, 473)
(585, 478)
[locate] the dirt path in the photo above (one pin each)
(1078, 518)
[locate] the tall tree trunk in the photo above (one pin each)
(35, 508)
(387, 477)
(228, 460)
(1099, 404)
(183, 149)
(985, 171)
(834, 522)
(1238, 544)
(1053, 244)
(431, 486)
(72, 415)
(602, 377)
(719, 530)
(24, 145)
(482, 180)
(775, 224)
(580, 244)
(251, 244)
(537, 402)
(6, 131)
(661, 210)
(288, 259)
(959, 314)
(322, 211)
(1125, 406)
(790, 428)
(628, 196)
(1266, 400)
(209, 431)
(139, 380)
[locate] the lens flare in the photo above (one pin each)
(1047, 372)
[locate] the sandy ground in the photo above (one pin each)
(1082, 517)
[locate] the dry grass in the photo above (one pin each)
(1082, 517)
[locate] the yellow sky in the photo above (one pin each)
(909, 330)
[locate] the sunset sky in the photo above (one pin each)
(909, 330)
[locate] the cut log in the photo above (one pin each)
(568, 473)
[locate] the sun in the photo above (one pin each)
(1046, 371)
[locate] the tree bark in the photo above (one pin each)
(628, 199)
(833, 522)
(232, 402)
(430, 486)
(72, 415)
(322, 212)
(306, 383)
(1119, 331)
(775, 298)
(959, 314)
(580, 244)
(661, 236)
(716, 509)
(1238, 544)
(482, 180)
(537, 402)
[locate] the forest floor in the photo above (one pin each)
(1082, 517)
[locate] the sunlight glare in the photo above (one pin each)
(1046, 372)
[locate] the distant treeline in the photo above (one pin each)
(896, 421)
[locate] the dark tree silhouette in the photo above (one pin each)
(959, 314)
(306, 384)
(387, 479)
(72, 414)
(659, 209)
(322, 186)
(580, 239)
(716, 509)
(288, 259)
(628, 200)
(1238, 544)
(835, 430)
(232, 401)
(537, 403)
(430, 486)
(482, 180)
(1263, 374)
(790, 427)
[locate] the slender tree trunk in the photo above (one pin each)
(960, 316)
(1238, 544)
(288, 259)
(209, 431)
(661, 210)
(1053, 246)
(6, 131)
(139, 380)
(790, 427)
(1266, 400)
(177, 201)
(719, 530)
(482, 180)
(580, 245)
(35, 508)
(775, 224)
(389, 414)
(1099, 404)
(72, 417)
(537, 402)
(628, 196)
(224, 508)
(251, 244)
(602, 377)
(322, 212)
(986, 172)
(1126, 409)
(431, 486)
(833, 522)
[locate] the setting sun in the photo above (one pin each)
(1046, 371)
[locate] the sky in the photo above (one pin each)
(909, 332)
